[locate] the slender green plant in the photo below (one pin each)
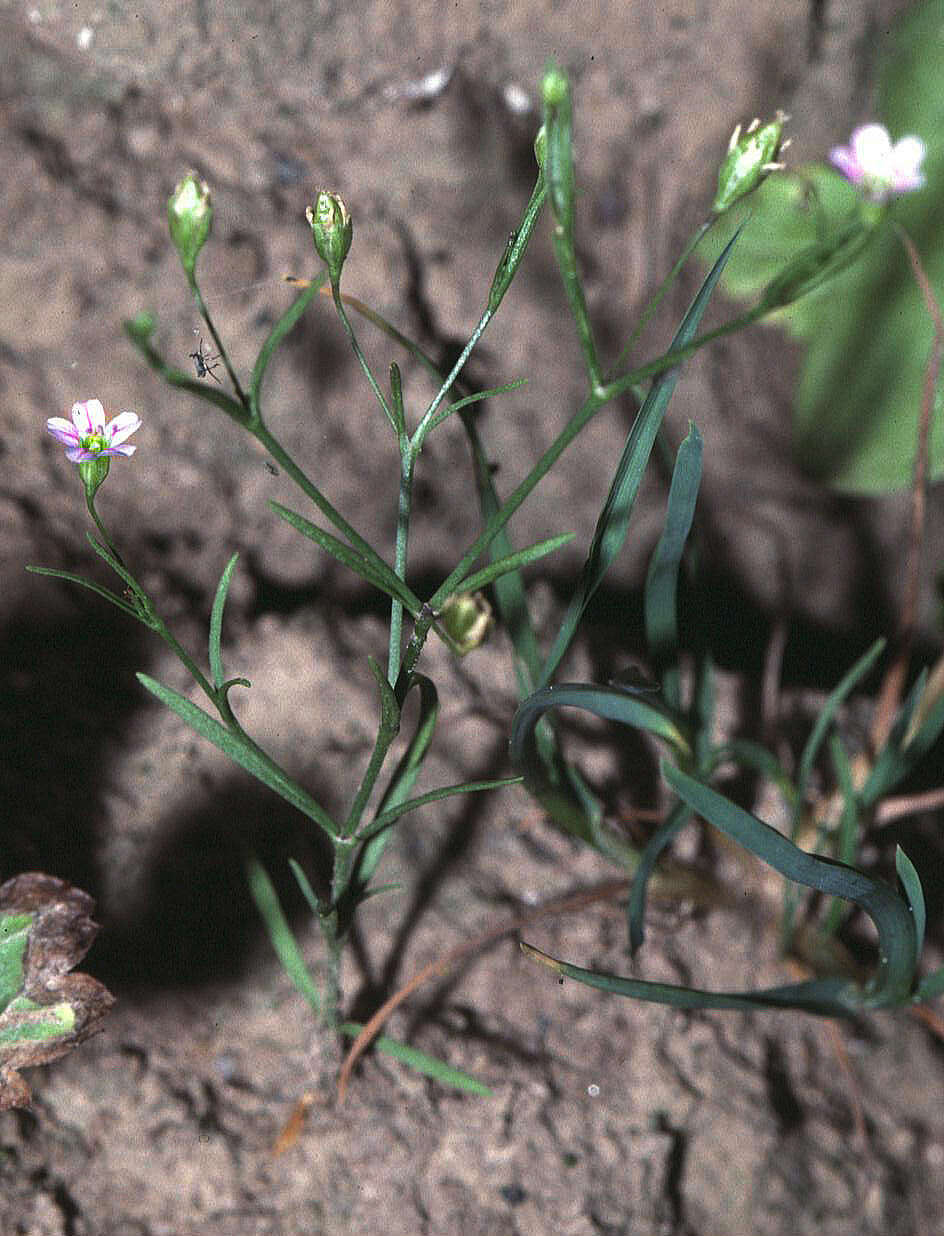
(456, 609)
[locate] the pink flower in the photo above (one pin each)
(88, 437)
(876, 166)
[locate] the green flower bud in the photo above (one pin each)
(466, 621)
(750, 160)
(190, 216)
(554, 86)
(331, 230)
(93, 472)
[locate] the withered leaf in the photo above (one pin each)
(45, 929)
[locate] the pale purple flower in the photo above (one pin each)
(88, 437)
(877, 167)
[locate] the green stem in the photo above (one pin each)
(361, 358)
(404, 508)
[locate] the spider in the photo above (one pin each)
(205, 364)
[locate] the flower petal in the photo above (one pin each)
(123, 426)
(872, 147)
(119, 450)
(62, 430)
(88, 416)
(906, 159)
(844, 160)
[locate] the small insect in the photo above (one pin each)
(204, 363)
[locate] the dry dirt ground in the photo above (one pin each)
(606, 1116)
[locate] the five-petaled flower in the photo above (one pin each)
(877, 167)
(88, 437)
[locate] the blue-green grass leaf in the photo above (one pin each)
(660, 602)
(613, 521)
(894, 977)
(664, 835)
(911, 883)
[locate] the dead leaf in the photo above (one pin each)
(46, 926)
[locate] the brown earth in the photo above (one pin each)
(606, 1116)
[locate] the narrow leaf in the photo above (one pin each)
(894, 977)
(106, 593)
(282, 327)
(911, 883)
(429, 1066)
(372, 568)
(662, 578)
(826, 997)
(280, 933)
(520, 558)
(216, 621)
(613, 522)
(242, 752)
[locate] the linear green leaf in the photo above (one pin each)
(280, 933)
(826, 997)
(660, 602)
(429, 1066)
(282, 327)
(242, 752)
(372, 567)
(520, 558)
(613, 522)
(894, 977)
(216, 621)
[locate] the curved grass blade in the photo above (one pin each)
(826, 997)
(242, 752)
(664, 835)
(660, 601)
(894, 977)
(610, 703)
(613, 522)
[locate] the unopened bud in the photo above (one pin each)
(190, 216)
(331, 230)
(750, 159)
(466, 619)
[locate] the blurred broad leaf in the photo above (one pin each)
(866, 332)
